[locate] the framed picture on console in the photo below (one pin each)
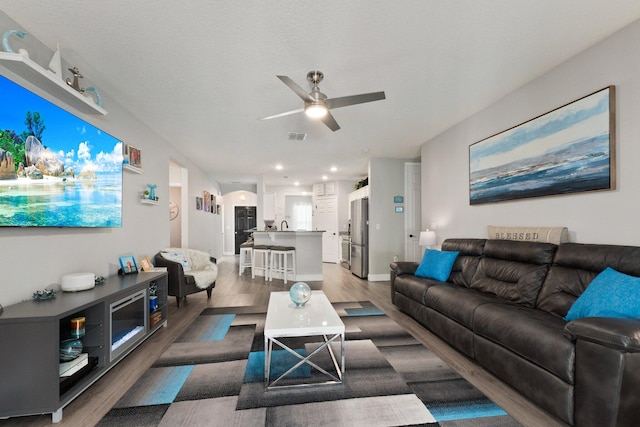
(568, 150)
(128, 265)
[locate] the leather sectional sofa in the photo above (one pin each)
(503, 306)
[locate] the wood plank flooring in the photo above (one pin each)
(231, 290)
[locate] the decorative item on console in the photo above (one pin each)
(43, 295)
(78, 282)
(128, 265)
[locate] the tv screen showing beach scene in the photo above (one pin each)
(56, 170)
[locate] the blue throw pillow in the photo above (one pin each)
(610, 294)
(436, 264)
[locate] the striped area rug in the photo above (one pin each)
(213, 375)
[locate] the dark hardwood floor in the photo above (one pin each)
(231, 290)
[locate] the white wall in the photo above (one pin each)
(594, 217)
(36, 258)
(386, 227)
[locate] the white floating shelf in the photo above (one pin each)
(23, 66)
(132, 169)
(149, 202)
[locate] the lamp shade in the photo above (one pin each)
(427, 238)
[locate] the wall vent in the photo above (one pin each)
(294, 136)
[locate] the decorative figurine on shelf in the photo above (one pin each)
(55, 65)
(152, 191)
(5, 41)
(98, 97)
(75, 84)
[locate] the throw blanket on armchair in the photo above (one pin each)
(194, 263)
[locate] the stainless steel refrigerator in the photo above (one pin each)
(360, 237)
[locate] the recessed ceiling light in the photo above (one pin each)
(325, 177)
(279, 167)
(334, 169)
(296, 183)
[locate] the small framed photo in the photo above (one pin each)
(128, 264)
(145, 264)
(399, 209)
(398, 199)
(135, 156)
(198, 203)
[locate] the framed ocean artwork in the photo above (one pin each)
(568, 150)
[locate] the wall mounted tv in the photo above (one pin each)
(56, 170)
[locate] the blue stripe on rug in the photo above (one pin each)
(364, 311)
(461, 411)
(220, 324)
(281, 362)
(167, 387)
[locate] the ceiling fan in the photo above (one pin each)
(316, 103)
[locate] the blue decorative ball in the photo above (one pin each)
(300, 293)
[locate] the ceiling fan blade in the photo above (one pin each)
(345, 101)
(330, 122)
(287, 113)
(296, 88)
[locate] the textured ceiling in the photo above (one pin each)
(201, 73)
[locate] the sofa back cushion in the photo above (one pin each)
(576, 265)
(469, 254)
(514, 271)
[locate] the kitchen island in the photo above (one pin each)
(308, 246)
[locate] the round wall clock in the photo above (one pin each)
(173, 211)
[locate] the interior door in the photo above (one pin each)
(245, 219)
(326, 219)
(412, 216)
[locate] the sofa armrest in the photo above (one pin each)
(607, 371)
(404, 267)
(621, 334)
(398, 268)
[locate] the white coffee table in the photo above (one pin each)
(316, 318)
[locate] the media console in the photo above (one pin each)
(117, 316)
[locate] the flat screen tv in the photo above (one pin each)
(56, 170)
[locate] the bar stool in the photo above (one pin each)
(246, 257)
(279, 262)
(262, 253)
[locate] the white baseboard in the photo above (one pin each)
(379, 277)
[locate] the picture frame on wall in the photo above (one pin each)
(568, 150)
(198, 203)
(213, 204)
(207, 202)
(134, 155)
(128, 265)
(218, 211)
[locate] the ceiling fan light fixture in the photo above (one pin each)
(316, 111)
